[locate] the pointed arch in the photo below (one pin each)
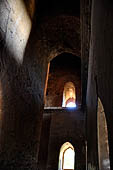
(66, 157)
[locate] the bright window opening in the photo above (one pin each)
(71, 104)
(69, 96)
(66, 157)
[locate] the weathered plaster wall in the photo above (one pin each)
(22, 105)
(59, 34)
(22, 79)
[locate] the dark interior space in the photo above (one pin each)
(56, 85)
(57, 7)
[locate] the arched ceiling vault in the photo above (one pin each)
(60, 34)
(58, 26)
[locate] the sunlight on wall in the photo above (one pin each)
(71, 104)
(16, 25)
(69, 96)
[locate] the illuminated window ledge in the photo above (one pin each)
(71, 105)
(62, 108)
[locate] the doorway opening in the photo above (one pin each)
(65, 71)
(66, 157)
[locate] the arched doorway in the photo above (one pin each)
(66, 157)
(103, 146)
(65, 70)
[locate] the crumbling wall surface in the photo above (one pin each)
(100, 71)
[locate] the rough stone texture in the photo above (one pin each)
(15, 26)
(25, 52)
(22, 90)
(23, 80)
(59, 34)
(66, 126)
(64, 68)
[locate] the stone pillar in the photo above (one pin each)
(85, 21)
(91, 117)
(91, 120)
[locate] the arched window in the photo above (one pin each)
(103, 146)
(66, 157)
(69, 95)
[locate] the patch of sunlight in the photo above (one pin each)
(68, 159)
(71, 104)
